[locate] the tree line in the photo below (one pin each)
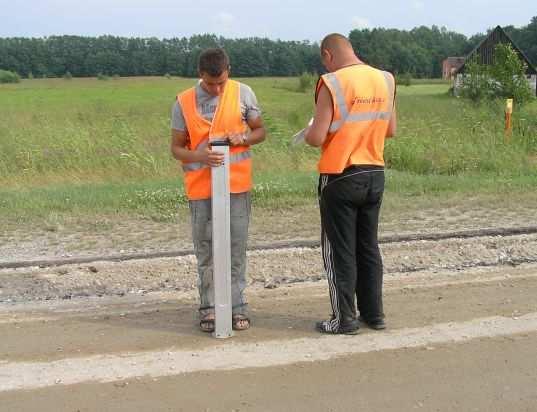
(418, 52)
(89, 56)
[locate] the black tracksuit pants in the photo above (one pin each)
(350, 205)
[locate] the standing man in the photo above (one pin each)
(215, 108)
(354, 114)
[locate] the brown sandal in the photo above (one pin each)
(240, 322)
(207, 323)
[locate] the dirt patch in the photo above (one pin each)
(80, 327)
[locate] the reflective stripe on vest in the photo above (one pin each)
(233, 158)
(356, 117)
(362, 101)
(227, 120)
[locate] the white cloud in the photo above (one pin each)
(360, 23)
(418, 5)
(224, 24)
(224, 19)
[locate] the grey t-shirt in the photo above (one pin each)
(206, 105)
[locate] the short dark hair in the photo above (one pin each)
(214, 62)
(333, 40)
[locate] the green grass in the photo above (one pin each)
(86, 130)
(431, 81)
(89, 146)
(162, 199)
(443, 135)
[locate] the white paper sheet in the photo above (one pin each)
(298, 137)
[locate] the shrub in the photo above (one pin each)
(168, 76)
(504, 79)
(509, 74)
(476, 82)
(306, 82)
(405, 79)
(101, 76)
(9, 77)
(30, 75)
(67, 75)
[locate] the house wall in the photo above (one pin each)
(444, 70)
(449, 67)
(457, 84)
(532, 81)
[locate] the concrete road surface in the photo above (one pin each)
(464, 341)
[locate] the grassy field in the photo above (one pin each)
(85, 146)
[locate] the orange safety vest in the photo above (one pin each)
(227, 120)
(362, 99)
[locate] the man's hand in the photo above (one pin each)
(211, 157)
(202, 155)
(238, 139)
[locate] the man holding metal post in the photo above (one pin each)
(223, 111)
(354, 113)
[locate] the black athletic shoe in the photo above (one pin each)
(377, 324)
(345, 328)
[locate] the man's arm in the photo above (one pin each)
(317, 132)
(392, 126)
(181, 152)
(252, 116)
(258, 132)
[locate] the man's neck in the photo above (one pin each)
(351, 61)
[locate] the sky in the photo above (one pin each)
(275, 19)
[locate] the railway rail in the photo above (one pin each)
(464, 234)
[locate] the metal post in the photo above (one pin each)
(508, 114)
(221, 243)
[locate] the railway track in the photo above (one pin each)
(464, 234)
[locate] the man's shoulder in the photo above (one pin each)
(384, 72)
(186, 92)
(244, 86)
(245, 91)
